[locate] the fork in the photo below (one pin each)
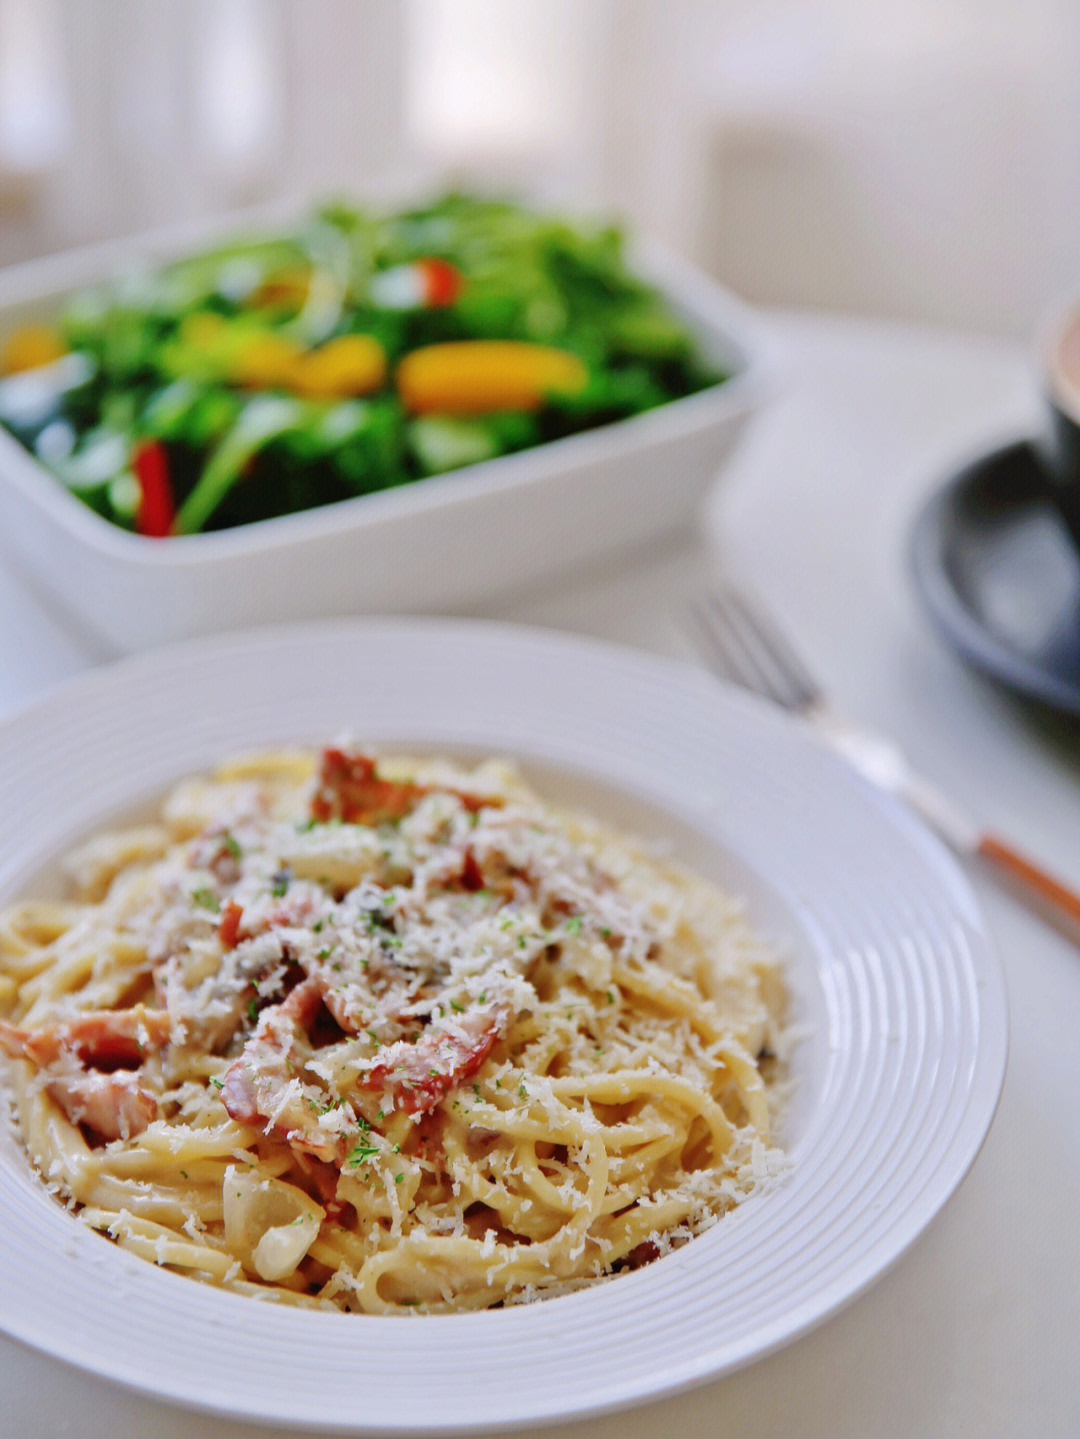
(740, 643)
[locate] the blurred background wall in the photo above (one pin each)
(918, 160)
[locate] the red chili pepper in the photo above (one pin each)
(150, 466)
(443, 282)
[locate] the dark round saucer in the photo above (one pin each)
(1000, 577)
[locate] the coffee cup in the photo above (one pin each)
(1059, 357)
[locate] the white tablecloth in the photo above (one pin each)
(976, 1330)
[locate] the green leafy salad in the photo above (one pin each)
(362, 351)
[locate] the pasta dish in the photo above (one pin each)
(388, 1036)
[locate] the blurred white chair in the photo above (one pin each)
(921, 162)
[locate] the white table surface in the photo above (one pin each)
(976, 1331)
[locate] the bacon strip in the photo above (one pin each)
(97, 1090)
(100, 1038)
(417, 1076)
(259, 1087)
(229, 924)
(350, 789)
(114, 1106)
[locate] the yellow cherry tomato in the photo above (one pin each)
(347, 365)
(479, 377)
(265, 362)
(28, 347)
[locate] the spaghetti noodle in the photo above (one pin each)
(385, 1037)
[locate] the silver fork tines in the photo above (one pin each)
(747, 648)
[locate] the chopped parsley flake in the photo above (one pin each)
(205, 899)
(361, 1154)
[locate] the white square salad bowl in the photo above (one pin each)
(445, 542)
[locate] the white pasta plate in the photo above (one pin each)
(895, 989)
